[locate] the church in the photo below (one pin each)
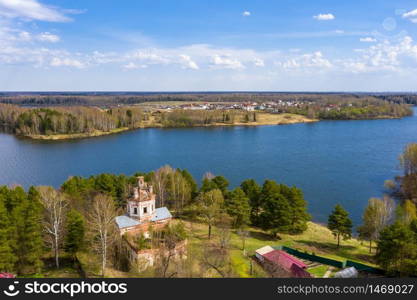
(141, 211)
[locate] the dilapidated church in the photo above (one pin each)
(141, 210)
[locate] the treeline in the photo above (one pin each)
(189, 118)
(44, 223)
(67, 120)
(351, 110)
(111, 99)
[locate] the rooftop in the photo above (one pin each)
(125, 221)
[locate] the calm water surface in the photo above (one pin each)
(332, 161)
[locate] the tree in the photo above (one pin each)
(408, 182)
(191, 182)
(209, 206)
(55, 207)
(298, 209)
(101, 225)
(237, 205)
(28, 243)
(397, 249)
(376, 216)
(275, 209)
(178, 191)
(406, 212)
(340, 224)
(253, 192)
(160, 181)
(222, 183)
(75, 232)
(7, 256)
(208, 185)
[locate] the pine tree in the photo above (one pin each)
(340, 224)
(75, 232)
(29, 243)
(237, 204)
(275, 215)
(253, 192)
(7, 256)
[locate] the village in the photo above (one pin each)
(277, 106)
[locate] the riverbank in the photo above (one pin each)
(262, 119)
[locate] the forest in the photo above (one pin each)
(111, 99)
(68, 120)
(45, 229)
(348, 110)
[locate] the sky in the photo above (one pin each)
(208, 45)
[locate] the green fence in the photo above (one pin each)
(331, 262)
(363, 267)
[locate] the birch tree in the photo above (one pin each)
(55, 206)
(101, 221)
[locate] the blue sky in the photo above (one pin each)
(184, 45)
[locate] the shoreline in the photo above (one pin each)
(279, 119)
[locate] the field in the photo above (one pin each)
(316, 239)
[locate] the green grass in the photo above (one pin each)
(316, 239)
(318, 271)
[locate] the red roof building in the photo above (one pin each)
(287, 262)
(7, 275)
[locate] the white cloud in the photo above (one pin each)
(411, 15)
(246, 13)
(48, 37)
(30, 10)
(66, 62)
(133, 66)
(306, 61)
(226, 62)
(258, 62)
(367, 39)
(188, 63)
(324, 17)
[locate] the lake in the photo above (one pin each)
(333, 162)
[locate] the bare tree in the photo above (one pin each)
(101, 216)
(55, 206)
(216, 258)
(160, 180)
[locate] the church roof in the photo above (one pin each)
(125, 221)
(161, 213)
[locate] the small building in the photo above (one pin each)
(347, 273)
(262, 251)
(278, 261)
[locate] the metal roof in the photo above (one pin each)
(264, 250)
(347, 273)
(125, 221)
(161, 213)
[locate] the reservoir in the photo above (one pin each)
(333, 162)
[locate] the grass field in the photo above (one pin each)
(316, 239)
